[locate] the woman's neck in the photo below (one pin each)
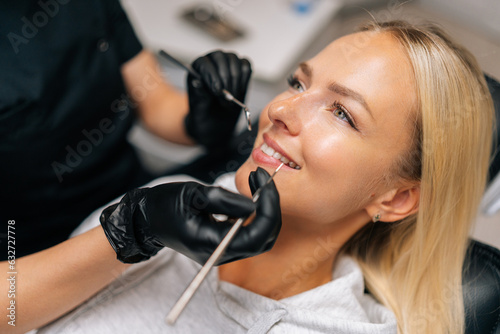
(299, 261)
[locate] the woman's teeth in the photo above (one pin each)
(272, 153)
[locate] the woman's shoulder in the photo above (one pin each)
(343, 303)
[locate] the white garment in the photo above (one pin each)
(140, 298)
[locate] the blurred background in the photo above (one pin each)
(276, 35)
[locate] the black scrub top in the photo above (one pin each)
(64, 116)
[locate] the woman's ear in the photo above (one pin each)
(395, 204)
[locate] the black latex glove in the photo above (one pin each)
(211, 117)
(179, 216)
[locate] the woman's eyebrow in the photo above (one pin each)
(306, 69)
(338, 88)
(344, 91)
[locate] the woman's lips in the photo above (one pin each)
(278, 156)
(263, 159)
(273, 148)
(270, 153)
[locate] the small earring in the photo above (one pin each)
(376, 218)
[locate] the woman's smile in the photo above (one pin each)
(270, 153)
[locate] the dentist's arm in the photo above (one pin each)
(54, 281)
(176, 215)
(204, 117)
(161, 107)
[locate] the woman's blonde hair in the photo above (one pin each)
(414, 266)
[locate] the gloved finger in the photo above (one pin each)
(267, 223)
(200, 100)
(239, 75)
(222, 62)
(216, 200)
(258, 178)
(209, 74)
(233, 63)
(196, 83)
(268, 205)
(262, 232)
(245, 72)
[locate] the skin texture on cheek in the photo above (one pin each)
(322, 194)
(334, 182)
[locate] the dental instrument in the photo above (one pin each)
(227, 95)
(202, 274)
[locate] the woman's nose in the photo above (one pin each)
(284, 114)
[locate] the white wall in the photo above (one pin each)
(483, 15)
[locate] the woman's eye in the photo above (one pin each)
(341, 112)
(295, 84)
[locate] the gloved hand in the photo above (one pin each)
(179, 216)
(211, 117)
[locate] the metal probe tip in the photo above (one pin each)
(276, 171)
(249, 122)
(228, 96)
(186, 296)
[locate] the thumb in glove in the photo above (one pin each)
(260, 235)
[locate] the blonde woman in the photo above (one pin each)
(387, 150)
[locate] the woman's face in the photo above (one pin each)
(345, 119)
